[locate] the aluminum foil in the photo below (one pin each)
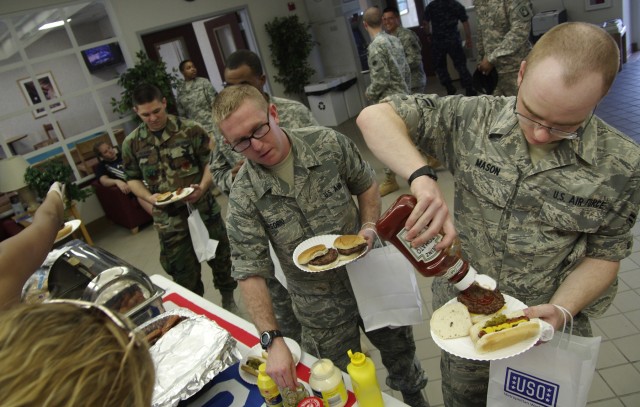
(188, 356)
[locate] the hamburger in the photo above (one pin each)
(503, 330)
(164, 197)
(481, 301)
(319, 257)
(350, 246)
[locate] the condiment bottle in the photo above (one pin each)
(291, 397)
(363, 379)
(268, 388)
(326, 383)
(426, 259)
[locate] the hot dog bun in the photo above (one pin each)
(349, 246)
(252, 364)
(503, 330)
(66, 229)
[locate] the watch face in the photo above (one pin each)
(265, 339)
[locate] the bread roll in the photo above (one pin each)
(451, 321)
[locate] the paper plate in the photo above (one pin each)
(183, 194)
(326, 240)
(465, 348)
(296, 352)
(75, 224)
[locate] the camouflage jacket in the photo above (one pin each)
(176, 159)
(443, 15)
(292, 115)
(503, 32)
(328, 170)
(388, 68)
(195, 99)
(528, 225)
(413, 54)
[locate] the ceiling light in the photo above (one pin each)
(52, 25)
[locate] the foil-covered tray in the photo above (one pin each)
(187, 356)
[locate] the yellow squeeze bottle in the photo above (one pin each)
(268, 388)
(362, 372)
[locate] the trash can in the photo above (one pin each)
(331, 99)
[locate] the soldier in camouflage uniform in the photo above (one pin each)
(297, 184)
(389, 72)
(195, 96)
(410, 44)
(441, 24)
(245, 67)
(546, 193)
(503, 40)
(167, 152)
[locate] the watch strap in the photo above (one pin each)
(271, 336)
(426, 170)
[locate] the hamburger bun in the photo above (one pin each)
(66, 229)
(325, 262)
(311, 253)
(350, 246)
(164, 197)
(451, 321)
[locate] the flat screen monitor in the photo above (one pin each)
(102, 56)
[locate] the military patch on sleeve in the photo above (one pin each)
(524, 11)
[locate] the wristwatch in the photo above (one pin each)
(267, 337)
(426, 170)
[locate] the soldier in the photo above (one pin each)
(195, 96)
(546, 193)
(410, 44)
(389, 72)
(503, 40)
(166, 152)
(296, 184)
(441, 25)
(245, 67)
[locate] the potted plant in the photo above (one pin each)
(40, 178)
(149, 71)
(291, 44)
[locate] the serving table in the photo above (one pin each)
(228, 389)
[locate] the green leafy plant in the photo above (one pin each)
(291, 44)
(40, 178)
(149, 71)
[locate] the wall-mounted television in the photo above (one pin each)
(102, 56)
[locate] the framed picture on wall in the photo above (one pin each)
(49, 89)
(596, 4)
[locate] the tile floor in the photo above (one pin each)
(617, 380)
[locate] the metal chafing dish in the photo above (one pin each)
(80, 271)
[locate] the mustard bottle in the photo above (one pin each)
(268, 388)
(363, 379)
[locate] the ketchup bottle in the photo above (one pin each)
(426, 259)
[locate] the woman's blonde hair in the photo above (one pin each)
(581, 48)
(63, 355)
(230, 99)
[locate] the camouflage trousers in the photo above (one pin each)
(179, 260)
(465, 382)
(331, 326)
(439, 52)
(507, 84)
(283, 310)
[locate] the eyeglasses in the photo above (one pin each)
(101, 311)
(257, 134)
(569, 135)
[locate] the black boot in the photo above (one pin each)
(416, 399)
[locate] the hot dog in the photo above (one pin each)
(252, 364)
(503, 330)
(163, 197)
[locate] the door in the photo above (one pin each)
(225, 36)
(174, 45)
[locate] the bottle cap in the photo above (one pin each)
(467, 280)
(262, 369)
(357, 358)
(311, 402)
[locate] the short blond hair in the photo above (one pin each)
(581, 48)
(62, 355)
(373, 17)
(230, 99)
